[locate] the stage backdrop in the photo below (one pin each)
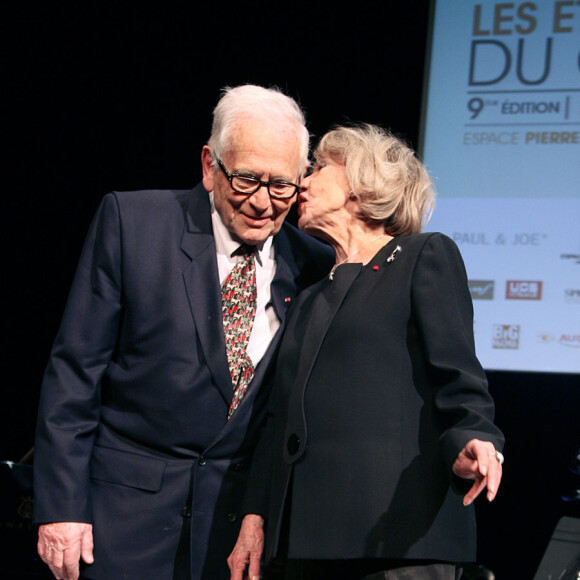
(501, 138)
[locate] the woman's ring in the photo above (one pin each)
(499, 456)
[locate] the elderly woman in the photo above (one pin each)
(381, 431)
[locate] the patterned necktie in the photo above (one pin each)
(238, 309)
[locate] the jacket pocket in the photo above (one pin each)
(129, 469)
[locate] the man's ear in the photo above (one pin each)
(207, 168)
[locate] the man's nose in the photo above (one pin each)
(261, 198)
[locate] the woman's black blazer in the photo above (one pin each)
(377, 390)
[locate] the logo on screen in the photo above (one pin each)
(546, 337)
(523, 290)
(506, 336)
(481, 289)
(574, 257)
(572, 340)
(572, 295)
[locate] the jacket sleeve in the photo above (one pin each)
(70, 396)
(257, 495)
(444, 312)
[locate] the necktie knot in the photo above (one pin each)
(244, 250)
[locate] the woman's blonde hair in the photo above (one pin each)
(392, 185)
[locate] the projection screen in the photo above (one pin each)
(500, 136)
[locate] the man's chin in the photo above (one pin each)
(254, 236)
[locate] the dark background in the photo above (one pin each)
(104, 95)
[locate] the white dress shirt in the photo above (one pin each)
(266, 323)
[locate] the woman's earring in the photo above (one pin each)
(351, 195)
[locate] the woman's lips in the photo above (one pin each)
(301, 202)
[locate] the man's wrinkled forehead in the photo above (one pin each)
(257, 137)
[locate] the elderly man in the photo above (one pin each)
(156, 385)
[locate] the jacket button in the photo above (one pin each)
(186, 512)
(232, 517)
(293, 444)
(202, 461)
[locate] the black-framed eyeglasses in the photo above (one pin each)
(248, 185)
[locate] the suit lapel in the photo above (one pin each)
(326, 304)
(323, 301)
(203, 288)
(284, 285)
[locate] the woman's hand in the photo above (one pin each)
(480, 461)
